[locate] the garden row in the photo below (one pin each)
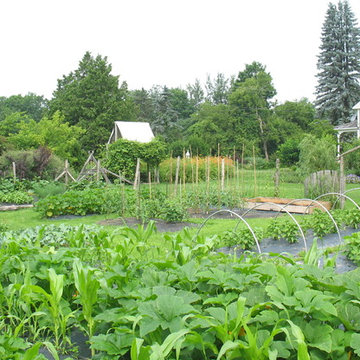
(134, 300)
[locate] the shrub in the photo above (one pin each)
(122, 156)
(31, 163)
(42, 189)
(173, 211)
(316, 154)
(352, 247)
(242, 238)
(15, 197)
(289, 152)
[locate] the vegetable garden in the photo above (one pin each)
(88, 291)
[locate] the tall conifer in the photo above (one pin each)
(338, 88)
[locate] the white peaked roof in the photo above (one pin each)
(357, 106)
(132, 130)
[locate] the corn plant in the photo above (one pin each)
(87, 286)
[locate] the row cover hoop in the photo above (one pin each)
(281, 208)
(321, 205)
(241, 219)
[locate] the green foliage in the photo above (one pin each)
(352, 248)
(301, 113)
(44, 189)
(121, 156)
(34, 106)
(90, 201)
(54, 133)
(90, 97)
(352, 160)
(283, 229)
(16, 197)
(173, 211)
(316, 154)
(338, 88)
(182, 302)
(243, 238)
(289, 152)
(31, 163)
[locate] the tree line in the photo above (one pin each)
(225, 114)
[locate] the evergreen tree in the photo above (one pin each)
(338, 88)
(90, 97)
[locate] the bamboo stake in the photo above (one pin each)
(255, 184)
(98, 171)
(137, 174)
(66, 172)
(14, 170)
(177, 174)
(218, 176)
(184, 168)
(171, 167)
(242, 170)
(342, 182)
(122, 194)
(208, 182)
(150, 185)
(222, 174)
(277, 179)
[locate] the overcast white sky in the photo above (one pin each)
(164, 42)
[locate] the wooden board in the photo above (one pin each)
(299, 207)
(15, 207)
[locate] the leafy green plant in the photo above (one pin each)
(173, 211)
(87, 286)
(352, 247)
(283, 229)
(242, 238)
(15, 197)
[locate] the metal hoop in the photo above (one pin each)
(281, 208)
(237, 215)
(323, 207)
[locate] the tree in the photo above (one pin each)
(250, 100)
(301, 113)
(90, 97)
(317, 154)
(196, 93)
(32, 105)
(214, 125)
(217, 89)
(53, 133)
(338, 88)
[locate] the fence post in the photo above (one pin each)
(14, 170)
(342, 182)
(277, 179)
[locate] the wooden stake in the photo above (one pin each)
(14, 170)
(222, 174)
(342, 182)
(177, 174)
(137, 174)
(150, 184)
(277, 179)
(254, 159)
(171, 167)
(98, 171)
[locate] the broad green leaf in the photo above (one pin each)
(227, 346)
(113, 344)
(355, 343)
(32, 353)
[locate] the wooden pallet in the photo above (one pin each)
(275, 204)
